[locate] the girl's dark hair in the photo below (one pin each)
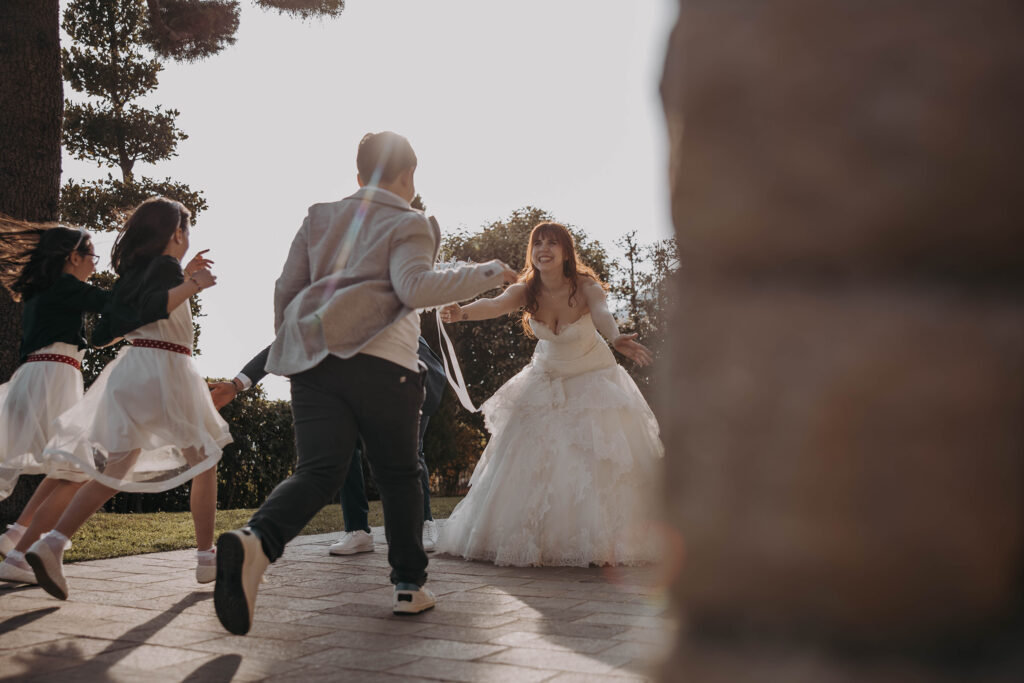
(572, 268)
(32, 255)
(146, 233)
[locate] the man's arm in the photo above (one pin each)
(418, 285)
(254, 371)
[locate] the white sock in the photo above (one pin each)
(205, 554)
(56, 540)
(17, 558)
(14, 532)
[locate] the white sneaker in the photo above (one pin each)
(353, 542)
(16, 570)
(240, 566)
(429, 535)
(412, 599)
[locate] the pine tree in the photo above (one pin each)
(107, 63)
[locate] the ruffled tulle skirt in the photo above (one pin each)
(146, 425)
(569, 477)
(34, 397)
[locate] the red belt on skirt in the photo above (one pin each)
(53, 358)
(159, 344)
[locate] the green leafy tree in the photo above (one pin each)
(642, 292)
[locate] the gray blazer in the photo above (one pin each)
(325, 303)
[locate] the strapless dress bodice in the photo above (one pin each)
(576, 349)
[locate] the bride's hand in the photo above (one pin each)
(198, 262)
(451, 313)
(627, 345)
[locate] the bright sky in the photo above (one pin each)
(549, 103)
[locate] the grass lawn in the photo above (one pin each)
(115, 535)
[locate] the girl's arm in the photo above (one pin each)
(158, 302)
(197, 282)
(625, 344)
(512, 299)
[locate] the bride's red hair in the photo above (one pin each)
(572, 268)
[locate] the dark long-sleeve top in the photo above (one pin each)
(138, 298)
(56, 314)
(255, 370)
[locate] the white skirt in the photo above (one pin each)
(34, 397)
(146, 425)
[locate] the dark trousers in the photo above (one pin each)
(355, 508)
(334, 404)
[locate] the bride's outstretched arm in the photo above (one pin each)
(604, 321)
(511, 299)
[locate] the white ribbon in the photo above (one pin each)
(451, 366)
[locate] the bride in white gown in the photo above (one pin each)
(570, 473)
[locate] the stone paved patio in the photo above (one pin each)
(323, 618)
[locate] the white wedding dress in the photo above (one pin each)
(570, 475)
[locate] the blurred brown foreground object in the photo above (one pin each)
(845, 430)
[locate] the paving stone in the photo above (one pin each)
(304, 591)
(530, 612)
(264, 648)
(369, 604)
(19, 639)
(646, 635)
(449, 649)
(480, 596)
(557, 642)
(79, 647)
(286, 631)
(92, 671)
(643, 651)
(233, 667)
(22, 665)
(638, 609)
(321, 618)
(327, 674)
(439, 615)
(573, 628)
(449, 670)
(626, 620)
(615, 677)
(295, 604)
(145, 656)
(559, 660)
(390, 626)
(362, 640)
(350, 657)
(463, 634)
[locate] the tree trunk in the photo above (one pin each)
(31, 108)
